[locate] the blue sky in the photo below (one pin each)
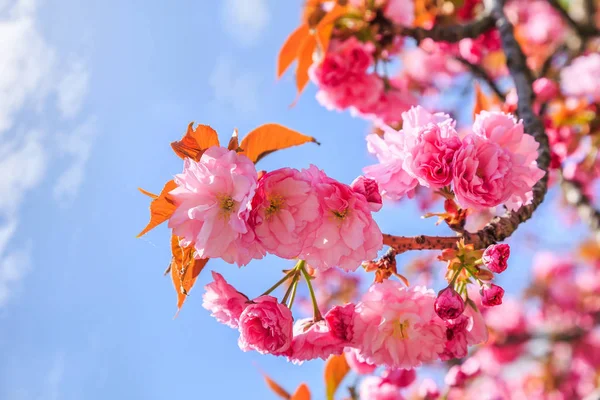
(91, 95)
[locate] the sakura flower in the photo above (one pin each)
(397, 327)
(223, 301)
(495, 257)
(449, 304)
(491, 295)
(285, 212)
(401, 12)
(503, 130)
(375, 388)
(347, 235)
(357, 363)
(580, 78)
(213, 203)
(368, 187)
(266, 326)
(399, 377)
(340, 320)
(313, 340)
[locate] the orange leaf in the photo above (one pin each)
(305, 60)
(323, 36)
(483, 102)
(161, 208)
(271, 137)
(278, 390)
(302, 393)
(290, 49)
(184, 269)
(195, 141)
(325, 26)
(336, 369)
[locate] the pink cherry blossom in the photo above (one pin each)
(375, 388)
(456, 337)
(545, 89)
(495, 257)
(313, 340)
(368, 187)
(285, 212)
(361, 91)
(394, 182)
(581, 77)
(539, 23)
(213, 200)
(503, 130)
(391, 103)
(449, 304)
(347, 235)
(399, 377)
(266, 326)
(491, 295)
(397, 327)
(428, 389)
(429, 159)
(357, 363)
(482, 173)
(401, 12)
(223, 301)
(340, 320)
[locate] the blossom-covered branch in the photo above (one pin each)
(450, 34)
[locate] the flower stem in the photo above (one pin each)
(285, 278)
(288, 292)
(294, 287)
(316, 312)
(458, 270)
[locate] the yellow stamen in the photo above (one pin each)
(276, 202)
(400, 329)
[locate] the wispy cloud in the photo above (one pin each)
(76, 145)
(72, 89)
(245, 20)
(31, 71)
(234, 88)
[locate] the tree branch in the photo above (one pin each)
(584, 31)
(422, 242)
(450, 34)
(479, 72)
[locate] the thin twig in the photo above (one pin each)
(479, 72)
(584, 31)
(451, 33)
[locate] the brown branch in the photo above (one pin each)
(479, 72)
(451, 33)
(422, 242)
(577, 198)
(584, 31)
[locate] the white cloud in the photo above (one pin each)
(72, 90)
(245, 19)
(30, 71)
(234, 89)
(77, 145)
(53, 381)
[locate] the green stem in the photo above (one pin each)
(285, 278)
(294, 287)
(289, 289)
(316, 312)
(453, 281)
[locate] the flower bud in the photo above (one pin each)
(495, 257)
(399, 377)
(491, 295)
(449, 304)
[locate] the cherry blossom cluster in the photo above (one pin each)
(493, 165)
(390, 325)
(225, 211)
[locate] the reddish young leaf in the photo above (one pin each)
(336, 369)
(301, 393)
(271, 137)
(184, 269)
(234, 143)
(161, 208)
(291, 47)
(305, 60)
(195, 141)
(485, 103)
(278, 390)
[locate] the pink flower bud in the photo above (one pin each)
(368, 187)
(545, 89)
(449, 304)
(223, 301)
(495, 257)
(399, 377)
(491, 295)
